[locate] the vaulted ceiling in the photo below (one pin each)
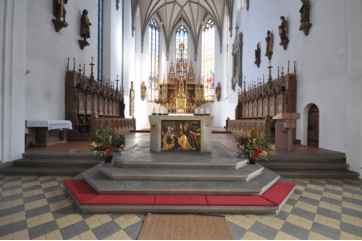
(192, 13)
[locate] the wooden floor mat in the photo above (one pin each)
(184, 227)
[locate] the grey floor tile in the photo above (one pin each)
(303, 213)
(295, 231)
(106, 230)
(43, 229)
(328, 213)
(74, 230)
(12, 228)
(37, 211)
(133, 230)
(326, 231)
(237, 232)
(352, 229)
(263, 230)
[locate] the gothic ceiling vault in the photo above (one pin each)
(192, 13)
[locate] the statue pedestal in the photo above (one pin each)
(180, 132)
(285, 131)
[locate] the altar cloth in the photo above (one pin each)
(50, 124)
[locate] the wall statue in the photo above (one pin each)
(284, 32)
(59, 13)
(84, 30)
(305, 23)
(269, 45)
(237, 61)
(218, 91)
(131, 100)
(258, 55)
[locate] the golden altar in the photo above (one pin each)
(181, 93)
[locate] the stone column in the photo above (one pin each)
(12, 78)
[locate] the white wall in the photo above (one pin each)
(47, 52)
(328, 63)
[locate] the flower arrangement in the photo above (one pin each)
(255, 148)
(105, 142)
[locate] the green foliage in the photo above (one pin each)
(103, 139)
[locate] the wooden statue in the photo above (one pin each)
(117, 4)
(84, 29)
(143, 90)
(59, 13)
(305, 23)
(284, 32)
(131, 100)
(269, 45)
(218, 91)
(258, 55)
(237, 61)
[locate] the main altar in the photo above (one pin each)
(181, 93)
(180, 133)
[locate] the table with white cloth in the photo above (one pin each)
(43, 133)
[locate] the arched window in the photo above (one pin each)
(154, 48)
(208, 58)
(182, 43)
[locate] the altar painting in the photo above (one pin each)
(181, 136)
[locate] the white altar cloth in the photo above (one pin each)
(50, 124)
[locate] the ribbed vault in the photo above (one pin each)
(193, 13)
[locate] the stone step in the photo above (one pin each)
(43, 155)
(293, 165)
(104, 185)
(346, 174)
(62, 163)
(246, 173)
(41, 171)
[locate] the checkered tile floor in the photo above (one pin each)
(36, 208)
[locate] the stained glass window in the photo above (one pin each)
(182, 42)
(208, 58)
(154, 48)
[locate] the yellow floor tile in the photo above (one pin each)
(89, 235)
(36, 204)
(352, 220)
(352, 206)
(41, 219)
(317, 236)
(55, 235)
(68, 220)
(307, 207)
(348, 236)
(300, 222)
(13, 218)
(331, 207)
(333, 223)
(127, 220)
(284, 236)
(121, 235)
(252, 236)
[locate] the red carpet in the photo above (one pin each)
(85, 195)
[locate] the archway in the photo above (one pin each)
(313, 126)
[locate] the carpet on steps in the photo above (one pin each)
(184, 227)
(86, 195)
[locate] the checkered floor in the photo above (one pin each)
(36, 208)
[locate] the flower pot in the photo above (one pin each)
(108, 159)
(252, 161)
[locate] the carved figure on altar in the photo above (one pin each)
(85, 24)
(143, 90)
(305, 23)
(59, 13)
(258, 55)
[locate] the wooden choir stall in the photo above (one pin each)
(92, 104)
(269, 109)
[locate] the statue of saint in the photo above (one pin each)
(59, 13)
(284, 32)
(305, 23)
(258, 55)
(131, 100)
(269, 45)
(143, 90)
(84, 29)
(237, 60)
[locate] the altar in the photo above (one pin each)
(180, 133)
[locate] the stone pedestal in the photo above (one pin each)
(156, 129)
(285, 131)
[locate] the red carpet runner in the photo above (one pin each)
(86, 195)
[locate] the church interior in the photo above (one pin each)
(180, 119)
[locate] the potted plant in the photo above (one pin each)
(105, 143)
(254, 148)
